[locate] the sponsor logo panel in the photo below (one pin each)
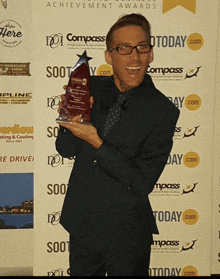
(73, 40)
(181, 134)
(194, 41)
(16, 159)
(15, 98)
(55, 160)
(54, 40)
(58, 247)
(173, 189)
(189, 216)
(15, 69)
(65, 71)
(54, 218)
(58, 272)
(56, 189)
(10, 33)
(190, 159)
(16, 134)
(153, 271)
(173, 73)
(172, 246)
(192, 102)
(173, 271)
(157, 73)
(189, 132)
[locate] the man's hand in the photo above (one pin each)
(83, 131)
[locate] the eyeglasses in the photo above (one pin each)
(126, 50)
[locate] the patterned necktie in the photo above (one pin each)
(114, 113)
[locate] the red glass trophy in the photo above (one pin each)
(77, 97)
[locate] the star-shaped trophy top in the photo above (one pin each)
(83, 59)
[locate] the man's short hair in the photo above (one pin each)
(126, 20)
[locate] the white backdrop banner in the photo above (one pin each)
(40, 41)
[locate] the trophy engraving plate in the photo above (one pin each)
(77, 96)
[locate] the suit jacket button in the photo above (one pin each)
(94, 162)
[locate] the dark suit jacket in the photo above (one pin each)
(107, 195)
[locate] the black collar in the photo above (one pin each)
(111, 91)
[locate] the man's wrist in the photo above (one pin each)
(96, 142)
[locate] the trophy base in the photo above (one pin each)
(58, 120)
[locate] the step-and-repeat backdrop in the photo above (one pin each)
(39, 43)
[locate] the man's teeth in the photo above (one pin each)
(133, 68)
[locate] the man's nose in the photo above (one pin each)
(134, 55)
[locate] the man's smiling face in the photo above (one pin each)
(129, 70)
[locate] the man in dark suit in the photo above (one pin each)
(106, 209)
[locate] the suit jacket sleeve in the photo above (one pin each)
(66, 143)
(140, 174)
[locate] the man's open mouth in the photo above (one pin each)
(133, 70)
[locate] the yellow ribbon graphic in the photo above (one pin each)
(187, 4)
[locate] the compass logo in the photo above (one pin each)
(189, 188)
(188, 245)
(190, 132)
(172, 245)
(193, 72)
(172, 73)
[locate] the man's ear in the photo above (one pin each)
(108, 57)
(151, 56)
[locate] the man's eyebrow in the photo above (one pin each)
(123, 44)
(129, 44)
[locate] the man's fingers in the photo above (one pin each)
(76, 118)
(91, 101)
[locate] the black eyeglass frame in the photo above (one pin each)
(132, 48)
